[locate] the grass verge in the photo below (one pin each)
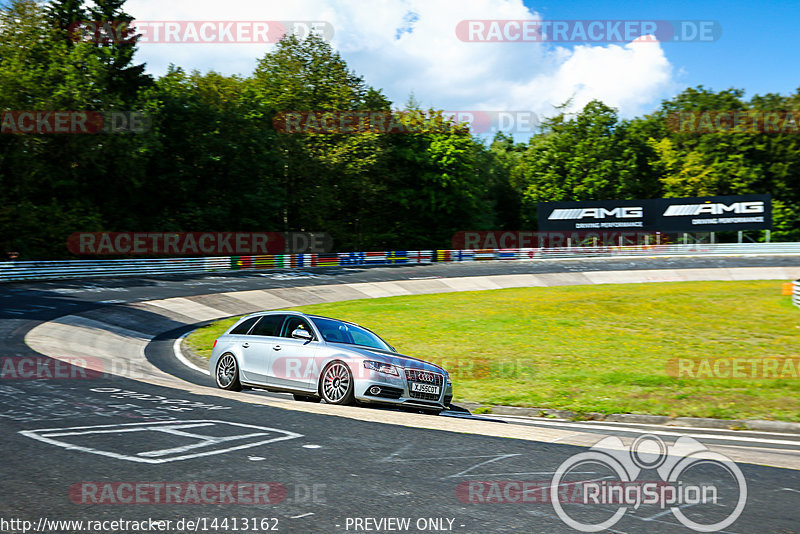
(592, 348)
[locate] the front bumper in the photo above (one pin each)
(386, 389)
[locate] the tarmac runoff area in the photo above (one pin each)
(116, 338)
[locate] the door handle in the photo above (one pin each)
(245, 345)
(276, 347)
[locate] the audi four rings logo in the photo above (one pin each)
(425, 377)
(683, 210)
(624, 212)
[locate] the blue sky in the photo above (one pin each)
(411, 46)
(759, 50)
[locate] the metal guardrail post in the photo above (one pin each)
(796, 293)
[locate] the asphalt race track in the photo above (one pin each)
(78, 449)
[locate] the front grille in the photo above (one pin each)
(424, 377)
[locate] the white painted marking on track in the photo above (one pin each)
(176, 349)
(253, 436)
(495, 459)
(396, 453)
(312, 446)
(301, 515)
(665, 512)
(528, 473)
(603, 427)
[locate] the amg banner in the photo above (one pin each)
(694, 214)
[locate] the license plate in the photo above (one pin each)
(424, 388)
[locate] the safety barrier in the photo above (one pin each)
(796, 293)
(42, 270)
(612, 251)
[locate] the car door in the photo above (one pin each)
(293, 363)
(258, 347)
(236, 341)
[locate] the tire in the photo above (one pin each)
(226, 373)
(305, 398)
(336, 384)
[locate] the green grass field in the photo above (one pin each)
(592, 348)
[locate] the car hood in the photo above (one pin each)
(394, 358)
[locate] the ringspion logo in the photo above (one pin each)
(692, 479)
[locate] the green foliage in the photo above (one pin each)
(590, 156)
(213, 160)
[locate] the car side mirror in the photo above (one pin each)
(301, 333)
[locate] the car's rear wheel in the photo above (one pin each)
(226, 373)
(305, 398)
(336, 384)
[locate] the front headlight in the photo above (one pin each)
(380, 367)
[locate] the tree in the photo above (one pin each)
(324, 176)
(591, 156)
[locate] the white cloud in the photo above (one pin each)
(405, 46)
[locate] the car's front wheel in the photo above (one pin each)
(227, 373)
(336, 384)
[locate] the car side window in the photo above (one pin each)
(334, 331)
(269, 325)
(244, 326)
(294, 322)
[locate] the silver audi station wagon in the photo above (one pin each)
(317, 358)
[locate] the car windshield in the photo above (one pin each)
(341, 332)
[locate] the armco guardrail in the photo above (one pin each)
(42, 270)
(615, 251)
(796, 293)
(46, 270)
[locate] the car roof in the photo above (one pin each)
(292, 312)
